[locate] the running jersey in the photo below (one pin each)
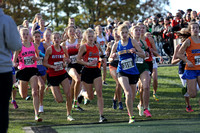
(39, 62)
(56, 59)
(193, 55)
(150, 47)
(126, 60)
(42, 32)
(102, 43)
(25, 57)
(92, 53)
(138, 59)
(72, 50)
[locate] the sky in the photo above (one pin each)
(183, 5)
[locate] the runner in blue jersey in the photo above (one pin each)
(128, 73)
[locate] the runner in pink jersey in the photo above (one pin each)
(27, 56)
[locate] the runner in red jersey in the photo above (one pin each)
(91, 74)
(55, 58)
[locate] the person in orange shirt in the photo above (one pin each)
(192, 69)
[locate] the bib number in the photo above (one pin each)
(59, 65)
(197, 60)
(73, 59)
(28, 60)
(92, 59)
(39, 62)
(139, 60)
(127, 63)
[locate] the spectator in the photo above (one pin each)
(9, 41)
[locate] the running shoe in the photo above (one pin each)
(147, 113)
(131, 120)
(28, 98)
(15, 106)
(77, 107)
(120, 106)
(41, 110)
(141, 109)
(155, 96)
(80, 99)
(104, 83)
(86, 101)
(189, 109)
(38, 119)
(102, 119)
(70, 118)
(114, 104)
(138, 94)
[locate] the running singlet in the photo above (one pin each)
(102, 44)
(72, 51)
(193, 55)
(39, 62)
(42, 32)
(25, 57)
(56, 59)
(92, 53)
(126, 60)
(150, 47)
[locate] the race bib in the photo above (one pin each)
(127, 63)
(197, 60)
(39, 62)
(92, 59)
(59, 65)
(73, 59)
(28, 60)
(139, 60)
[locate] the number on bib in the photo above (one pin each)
(73, 59)
(197, 60)
(28, 60)
(59, 65)
(39, 62)
(139, 60)
(92, 59)
(127, 63)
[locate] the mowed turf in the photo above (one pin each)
(171, 106)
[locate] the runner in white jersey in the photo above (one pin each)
(74, 69)
(100, 39)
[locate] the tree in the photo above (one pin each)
(152, 7)
(20, 10)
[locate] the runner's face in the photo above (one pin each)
(124, 33)
(99, 30)
(78, 33)
(41, 23)
(47, 36)
(37, 38)
(90, 38)
(136, 32)
(116, 36)
(56, 39)
(194, 30)
(38, 18)
(71, 32)
(25, 35)
(142, 29)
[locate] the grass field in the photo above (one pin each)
(170, 108)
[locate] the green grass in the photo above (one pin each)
(171, 106)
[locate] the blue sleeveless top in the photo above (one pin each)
(126, 60)
(42, 32)
(39, 62)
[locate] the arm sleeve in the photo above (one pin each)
(11, 34)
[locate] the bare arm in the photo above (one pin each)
(181, 53)
(46, 57)
(15, 56)
(175, 59)
(113, 52)
(139, 50)
(81, 51)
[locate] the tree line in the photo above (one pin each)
(85, 12)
